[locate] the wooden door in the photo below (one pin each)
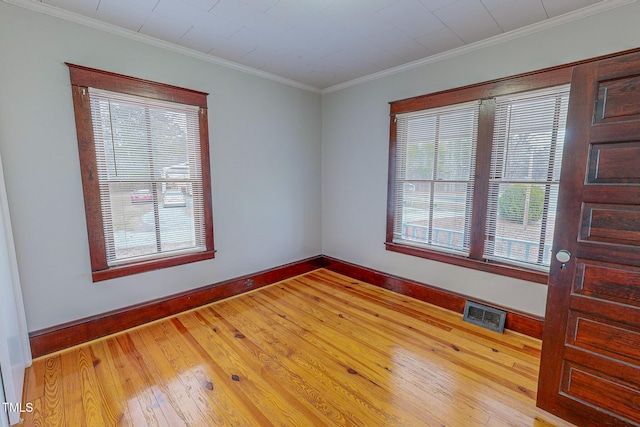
(590, 366)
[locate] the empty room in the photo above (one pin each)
(320, 212)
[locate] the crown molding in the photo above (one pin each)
(38, 6)
(492, 41)
(55, 12)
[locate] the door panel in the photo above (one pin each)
(597, 390)
(617, 100)
(596, 335)
(614, 163)
(617, 224)
(590, 365)
(608, 282)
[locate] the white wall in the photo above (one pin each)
(293, 175)
(356, 137)
(265, 147)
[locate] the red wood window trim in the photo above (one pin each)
(540, 79)
(483, 91)
(83, 78)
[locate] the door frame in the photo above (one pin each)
(15, 352)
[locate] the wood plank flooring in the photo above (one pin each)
(318, 349)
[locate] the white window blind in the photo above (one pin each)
(435, 162)
(150, 176)
(526, 157)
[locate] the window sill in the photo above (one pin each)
(490, 267)
(150, 265)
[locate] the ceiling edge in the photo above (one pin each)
(46, 9)
(495, 40)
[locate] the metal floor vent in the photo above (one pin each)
(484, 316)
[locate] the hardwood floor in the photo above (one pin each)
(318, 349)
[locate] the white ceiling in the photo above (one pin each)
(321, 43)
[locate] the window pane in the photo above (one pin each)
(525, 172)
(521, 223)
(130, 230)
(415, 211)
(435, 171)
(139, 142)
(420, 160)
(445, 224)
(176, 217)
(117, 136)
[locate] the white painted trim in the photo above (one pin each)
(492, 41)
(13, 324)
(46, 9)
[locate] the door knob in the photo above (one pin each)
(563, 256)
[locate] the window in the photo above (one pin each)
(145, 166)
(528, 139)
(435, 166)
(474, 174)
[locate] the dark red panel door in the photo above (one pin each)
(590, 367)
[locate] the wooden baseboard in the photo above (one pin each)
(66, 335)
(517, 321)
